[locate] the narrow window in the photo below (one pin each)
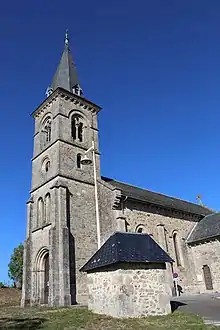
(207, 277)
(80, 131)
(47, 208)
(73, 123)
(46, 131)
(78, 161)
(40, 212)
(139, 229)
(47, 166)
(176, 249)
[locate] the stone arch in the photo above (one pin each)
(45, 164)
(42, 270)
(45, 129)
(140, 229)
(77, 127)
(78, 124)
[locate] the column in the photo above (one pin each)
(59, 250)
(27, 261)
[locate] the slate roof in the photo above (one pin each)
(128, 248)
(158, 199)
(66, 76)
(208, 227)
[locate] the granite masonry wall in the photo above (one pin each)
(207, 253)
(129, 290)
(162, 225)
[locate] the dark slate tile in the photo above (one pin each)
(158, 199)
(127, 247)
(208, 227)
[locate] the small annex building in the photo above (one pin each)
(126, 277)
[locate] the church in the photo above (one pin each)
(73, 210)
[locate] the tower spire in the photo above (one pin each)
(66, 76)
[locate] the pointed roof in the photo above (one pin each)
(66, 76)
(123, 247)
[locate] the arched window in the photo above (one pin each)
(78, 160)
(47, 208)
(176, 249)
(40, 212)
(47, 166)
(139, 229)
(46, 131)
(77, 128)
(207, 277)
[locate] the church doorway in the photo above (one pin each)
(207, 277)
(41, 277)
(46, 278)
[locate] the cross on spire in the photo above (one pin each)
(66, 38)
(66, 76)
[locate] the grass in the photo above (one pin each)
(82, 319)
(13, 317)
(10, 297)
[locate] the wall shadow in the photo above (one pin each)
(21, 323)
(175, 305)
(72, 259)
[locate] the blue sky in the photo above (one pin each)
(154, 66)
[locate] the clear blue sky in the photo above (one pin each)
(154, 66)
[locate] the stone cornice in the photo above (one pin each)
(73, 144)
(61, 176)
(75, 99)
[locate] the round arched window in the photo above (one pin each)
(45, 165)
(139, 229)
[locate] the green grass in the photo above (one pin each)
(82, 319)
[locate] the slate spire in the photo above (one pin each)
(66, 76)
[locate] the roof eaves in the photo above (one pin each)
(144, 200)
(57, 92)
(202, 239)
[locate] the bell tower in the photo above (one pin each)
(61, 215)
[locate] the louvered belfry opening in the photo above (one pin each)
(207, 277)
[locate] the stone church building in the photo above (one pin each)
(73, 209)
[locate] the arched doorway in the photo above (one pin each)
(46, 278)
(207, 277)
(42, 276)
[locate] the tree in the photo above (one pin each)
(15, 267)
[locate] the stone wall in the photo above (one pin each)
(150, 219)
(129, 290)
(207, 254)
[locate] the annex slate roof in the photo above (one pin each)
(208, 227)
(128, 248)
(66, 76)
(157, 198)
